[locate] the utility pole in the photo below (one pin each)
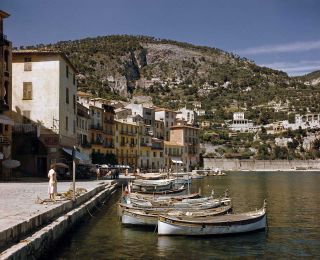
(74, 173)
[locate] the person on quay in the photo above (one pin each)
(98, 172)
(52, 188)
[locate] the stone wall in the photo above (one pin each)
(261, 165)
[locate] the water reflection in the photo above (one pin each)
(293, 224)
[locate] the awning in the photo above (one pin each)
(80, 156)
(10, 164)
(6, 120)
(177, 160)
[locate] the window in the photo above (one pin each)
(67, 95)
(67, 123)
(27, 90)
(26, 117)
(27, 64)
(67, 71)
(74, 78)
(74, 102)
(74, 126)
(154, 154)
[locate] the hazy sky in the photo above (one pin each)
(282, 34)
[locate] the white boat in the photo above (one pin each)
(217, 225)
(146, 218)
(151, 176)
(165, 207)
(153, 185)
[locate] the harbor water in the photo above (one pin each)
(293, 213)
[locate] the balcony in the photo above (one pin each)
(127, 144)
(96, 127)
(106, 145)
(145, 144)
(4, 140)
(127, 133)
(108, 132)
(97, 142)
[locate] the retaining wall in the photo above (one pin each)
(260, 165)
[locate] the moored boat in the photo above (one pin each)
(217, 225)
(153, 185)
(165, 207)
(142, 217)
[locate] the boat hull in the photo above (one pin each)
(136, 218)
(167, 228)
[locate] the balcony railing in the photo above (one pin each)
(106, 145)
(146, 145)
(108, 132)
(127, 144)
(97, 142)
(96, 127)
(127, 133)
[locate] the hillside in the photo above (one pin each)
(175, 74)
(312, 78)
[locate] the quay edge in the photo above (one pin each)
(42, 240)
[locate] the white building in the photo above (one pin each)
(188, 115)
(303, 121)
(168, 117)
(44, 92)
(147, 113)
(239, 123)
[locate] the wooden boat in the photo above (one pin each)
(164, 192)
(151, 176)
(152, 185)
(165, 208)
(217, 225)
(142, 217)
(176, 197)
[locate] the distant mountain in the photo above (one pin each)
(175, 74)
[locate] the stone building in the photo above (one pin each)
(83, 134)
(44, 94)
(188, 137)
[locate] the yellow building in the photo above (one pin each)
(126, 142)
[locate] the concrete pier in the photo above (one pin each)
(27, 229)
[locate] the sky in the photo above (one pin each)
(280, 34)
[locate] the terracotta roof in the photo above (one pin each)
(45, 52)
(184, 126)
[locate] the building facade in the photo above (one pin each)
(44, 94)
(188, 137)
(168, 117)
